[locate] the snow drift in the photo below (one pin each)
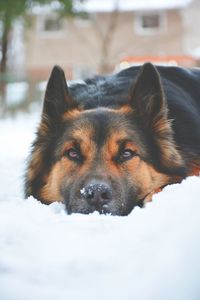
(152, 254)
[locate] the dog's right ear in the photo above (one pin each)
(57, 98)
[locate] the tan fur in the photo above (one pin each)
(71, 114)
(34, 167)
(125, 109)
(51, 190)
(147, 179)
(141, 174)
(195, 169)
(169, 152)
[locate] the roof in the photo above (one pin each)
(130, 5)
(171, 60)
(92, 6)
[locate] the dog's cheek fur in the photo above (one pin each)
(62, 176)
(50, 192)
(144, 178)
(42, 158)
(170, 158)
(38, 167)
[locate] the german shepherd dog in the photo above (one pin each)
(109, 144)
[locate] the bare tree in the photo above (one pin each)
(105, 34)
(104, 26)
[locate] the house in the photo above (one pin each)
(112, 35)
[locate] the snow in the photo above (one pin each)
(129, 5)
(152, 254)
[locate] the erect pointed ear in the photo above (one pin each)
(147, 96)
(150, 107)
(57, 98)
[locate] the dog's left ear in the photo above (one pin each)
(147, 96)
(148, 102)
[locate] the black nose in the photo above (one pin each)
(97, 193)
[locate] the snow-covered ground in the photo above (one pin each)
(152, 254)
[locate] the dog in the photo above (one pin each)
(110, 143)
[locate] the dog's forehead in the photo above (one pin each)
(101, 116)
(103, 128)
(99, 124)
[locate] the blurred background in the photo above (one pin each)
(89, 37)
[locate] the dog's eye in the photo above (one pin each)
(72, 154)
(127, 154)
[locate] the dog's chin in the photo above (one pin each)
(89, 210)
(113, 209)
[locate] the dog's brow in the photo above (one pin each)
(129, 143)
(71, 139)
(73, 142)
(124, 141)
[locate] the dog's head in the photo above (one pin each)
(103, 159)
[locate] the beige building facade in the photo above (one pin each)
(104, 41)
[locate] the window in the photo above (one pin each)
(50, 25)
(149, 23)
